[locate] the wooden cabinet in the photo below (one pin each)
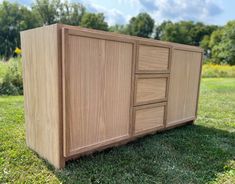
(86, 90)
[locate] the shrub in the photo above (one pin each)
(11, 82)
(215, 70)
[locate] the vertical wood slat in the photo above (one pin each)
(184, 86)
(111, 66)
(96, 84)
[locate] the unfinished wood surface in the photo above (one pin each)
(108, 89)
(42, 95)
(97, 92)
(152, 58)
(145, 41)
(150, 89)
(184, 84)
(149, 117)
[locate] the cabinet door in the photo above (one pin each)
(97, 91)
(184, 85)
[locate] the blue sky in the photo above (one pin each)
(120, 11)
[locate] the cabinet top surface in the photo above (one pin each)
(140, 40)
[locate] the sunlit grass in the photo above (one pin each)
(200, 153)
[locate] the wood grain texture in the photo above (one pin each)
(109, 89)
(150, 89)
(41, 77)
(149, 117)
(97, 92)
(143, 41)
(183, 89)
(153, 58)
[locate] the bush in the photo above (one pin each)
(214, 70)
(11, 82)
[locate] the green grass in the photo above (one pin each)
(200, 153)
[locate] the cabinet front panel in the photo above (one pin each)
(153, 59)
(149, 118)
(150, 90)
(97, 87)
(184, 84)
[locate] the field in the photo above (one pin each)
(200, 153)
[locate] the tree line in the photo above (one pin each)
(217, 41)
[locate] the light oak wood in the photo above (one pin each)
(150, 89)
(153, 58)
(183, 89)
(97, 92)
(42, 94)
(87, 90)
(149, 117)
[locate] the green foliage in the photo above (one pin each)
(218, 42)
(13, 19)
(185, 32)
(94, 21)
(200, 153)
(142, 25)
(205, 45)
(11, 83)
(223, 44)
(220, 45)
(118, 29)
(55, 11)
(3, 69)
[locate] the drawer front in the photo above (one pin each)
(149, 118)
(153, 59)
(150, 89)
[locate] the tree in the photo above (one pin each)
(142, 25)
(176, 32)
(94, 21)
(222, 44)
(205, 45)
(185, 32)
(118, 29)
(159, 30)
(54, 11)
(47, 10)
(71, 13)
(13, 19)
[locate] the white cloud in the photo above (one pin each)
(176, 10)
(112, 16)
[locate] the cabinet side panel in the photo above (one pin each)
(183, 89)
(41, 77)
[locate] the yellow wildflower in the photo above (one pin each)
(18, 51)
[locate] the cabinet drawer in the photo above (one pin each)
(153, 59)
(150, 89)
(149, 117)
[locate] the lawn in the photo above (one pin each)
(200, 153)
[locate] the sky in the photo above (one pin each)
(120, 11)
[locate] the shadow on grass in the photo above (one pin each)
(190, 154)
